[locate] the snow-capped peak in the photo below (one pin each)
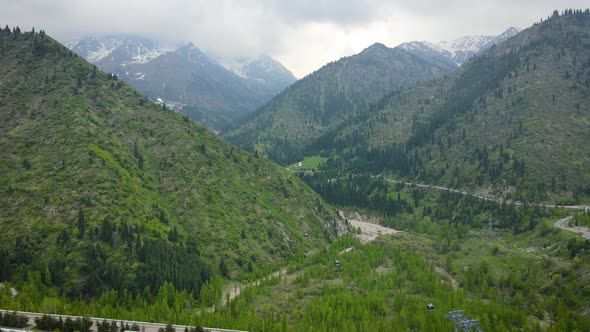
(192, 53)
(234, 64)
(508, 33)
(253, 67)
(121, 48)
(468, 43)
(461, 49)
(94, 49)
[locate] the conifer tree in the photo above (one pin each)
(223, 268)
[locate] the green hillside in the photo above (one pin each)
(514, 121)
(101, 189)
(113, 207)
(285, 126)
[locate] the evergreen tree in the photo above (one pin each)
(223, 268)
(81, 223)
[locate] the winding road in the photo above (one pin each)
(518, 203)
(561, 223)
(564, 224)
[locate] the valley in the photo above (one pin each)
(378, 193)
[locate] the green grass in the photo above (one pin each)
(308, 163)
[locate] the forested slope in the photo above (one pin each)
(318, 103)
(101, 189)
(514, 119)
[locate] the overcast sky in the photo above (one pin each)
(302, 34)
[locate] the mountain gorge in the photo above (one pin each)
(103, 190)
(428, 184)
(511, 121)
(291, 121)
(209, 89)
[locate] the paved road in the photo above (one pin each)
(146, 326)
(563, 224)
(518, 203)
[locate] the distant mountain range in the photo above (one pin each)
(320, 102)
(210, 89)
(459, 50)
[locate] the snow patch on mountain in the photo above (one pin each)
(99, 54)
(126, 48)
(262, 68)
(94, 49)
(235, 65)
(147, 56)
(193, 54)
(461, 49)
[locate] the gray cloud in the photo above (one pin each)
(303, 34)
(332, 11)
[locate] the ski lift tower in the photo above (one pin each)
(463, 322)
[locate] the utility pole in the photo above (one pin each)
(463, 322)
(490, 228)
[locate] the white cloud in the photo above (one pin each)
(303, 34)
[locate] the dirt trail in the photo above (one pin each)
(349, 249)
(235, 289)
(440, 270)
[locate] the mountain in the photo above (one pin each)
(186, 78)
(513, 121)
(102, 189)
(459, 50)
(262, 71)
(121, 49)
(212, 94)
(283, 127)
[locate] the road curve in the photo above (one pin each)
(563, 224)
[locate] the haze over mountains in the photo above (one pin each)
(210, 89)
